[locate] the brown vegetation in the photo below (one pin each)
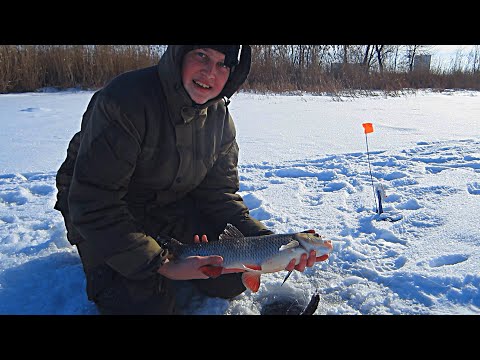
(318, 69)
(31, 67)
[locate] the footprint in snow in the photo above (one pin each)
(447, 260)
(473, 188)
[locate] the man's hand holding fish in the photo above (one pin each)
(304, 261)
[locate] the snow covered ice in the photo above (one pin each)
(303, 165)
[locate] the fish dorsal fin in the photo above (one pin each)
(292, 244)
(231, 232)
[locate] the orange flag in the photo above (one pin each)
(368, 127)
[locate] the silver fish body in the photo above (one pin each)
(271, 252)
(253, 255)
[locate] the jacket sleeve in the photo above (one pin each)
(217, 195)
(105, 163)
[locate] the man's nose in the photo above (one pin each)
(209, 69)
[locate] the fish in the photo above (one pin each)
(251, 255)
(312, 305)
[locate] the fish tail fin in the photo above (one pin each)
(211, 271)
(251, 280)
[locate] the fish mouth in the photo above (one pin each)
(328, 244)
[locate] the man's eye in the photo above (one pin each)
(222, 65)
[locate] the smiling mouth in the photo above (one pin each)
(202, 85)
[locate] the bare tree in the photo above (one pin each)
(476, 59)
(368, 56)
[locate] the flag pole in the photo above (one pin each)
(368, 128)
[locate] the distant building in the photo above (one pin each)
(422, 62)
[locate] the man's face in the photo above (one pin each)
(204, 74)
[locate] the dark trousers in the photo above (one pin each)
(114, 294)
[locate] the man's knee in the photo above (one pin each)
(116, 295)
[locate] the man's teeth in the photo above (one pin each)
(201, 84)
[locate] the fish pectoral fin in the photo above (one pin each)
(211, 271)
(291, 245)
(251, 280)
(286, 277)
(253, 267)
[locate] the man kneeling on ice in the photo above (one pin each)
(157, 154)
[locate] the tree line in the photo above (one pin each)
(318, 69)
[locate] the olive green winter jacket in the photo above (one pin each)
(142, 146)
